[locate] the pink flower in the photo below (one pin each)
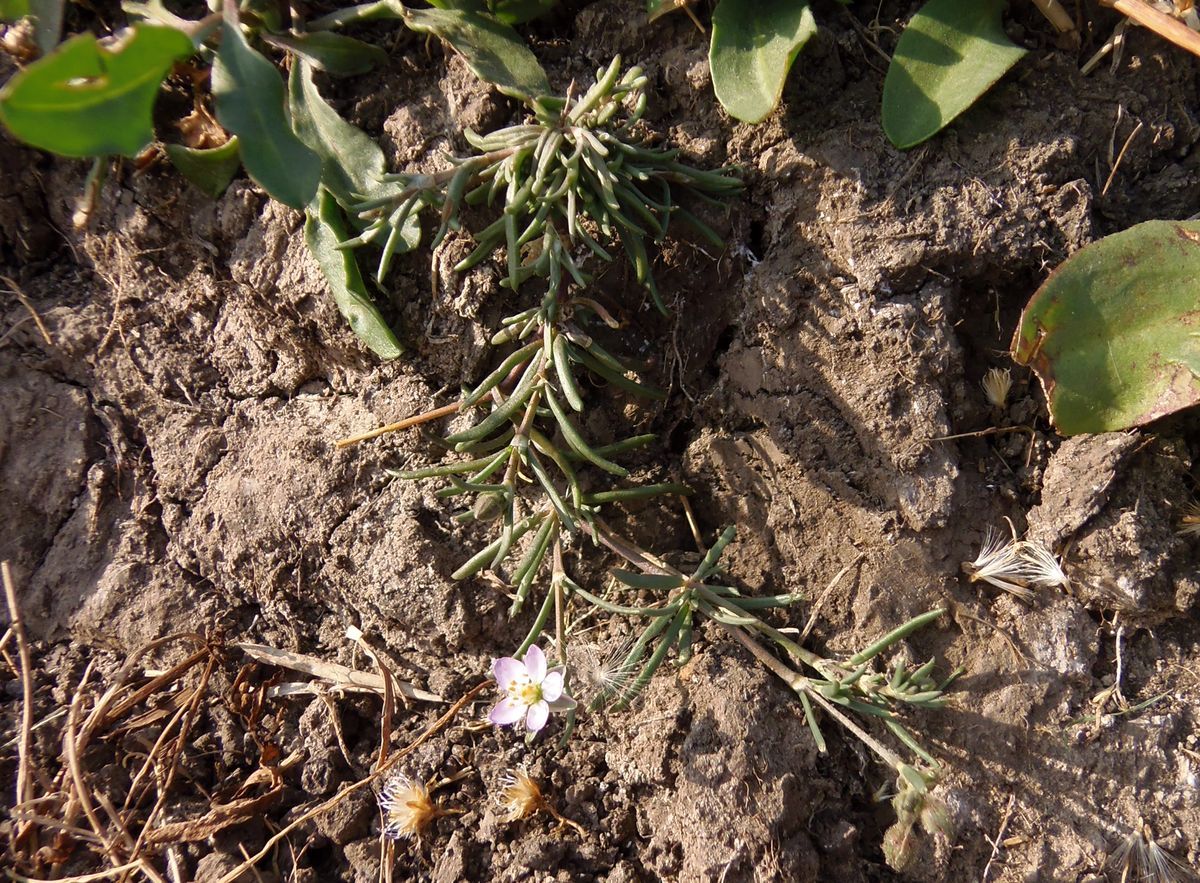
(530, 691)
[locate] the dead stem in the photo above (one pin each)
(24, 772)
(27, 304)
(184, 731)
(1162, 24)
(379, 772)
(416, 420)
(1120, 157)
(80, 878)
(816, 608)
(389, 693)
(1056, 15)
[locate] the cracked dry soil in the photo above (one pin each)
(167, 465)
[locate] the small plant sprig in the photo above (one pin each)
(570, 183)
(575, 177)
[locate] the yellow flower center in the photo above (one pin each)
(524, 691)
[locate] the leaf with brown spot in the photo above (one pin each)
(1114, 333)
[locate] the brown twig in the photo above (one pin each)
(25, 302)
(333, 801)
(389, 694)
(184, 731)
(1162, 24)
(816, 609)
(24, 772)
(1120, 156)
(407, 422)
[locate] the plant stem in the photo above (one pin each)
(416, 420)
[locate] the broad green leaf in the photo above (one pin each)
(339, 55)
(87, 100)
(351, 162)
(377, 11)
(950, 54)
(250, 103)
(210, 170)
(515, 12)
(323, 230)
(156, 12)
(1114, 333)
(11, 10)
(754, 43)
(510, 12)
(494, 51)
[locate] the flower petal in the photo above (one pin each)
(506, 711)
(535, 664)
(539, 713)
(552, 685)
(505, 670)
(563, 703)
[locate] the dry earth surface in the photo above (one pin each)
(167, 466)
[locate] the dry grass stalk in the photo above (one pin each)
(322, 808)
(340, 676)
(1161, 23)
(389, 693)
(24, 770)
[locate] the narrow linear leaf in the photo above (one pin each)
(754, 43)
(84, 99)
(1114, 333)
(250, 103)
(494, 51)
(949, 55)
(335, 53)
(210, 170)
(323, 230)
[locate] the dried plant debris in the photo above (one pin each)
(996, 385)
(1015, 566)
(1140, 858)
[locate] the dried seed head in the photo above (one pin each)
(604, 674)
(1000, 564)
(1189, 524)
(1044, 568)
(996, 384)
(407, 807)
(521, 796)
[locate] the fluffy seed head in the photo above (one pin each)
(1044, 568)
(1189, 524)
(521, 796)
(604, 674)
(1001, 564)
(407, 807)
(996, 384)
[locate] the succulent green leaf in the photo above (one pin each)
(494, 51)
(1114, 333)
(250, 103)
(334, 53)
(754, 43)
(323, 230)
(84, 99)
(949, 55)
(351, 162)
(210, 170)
